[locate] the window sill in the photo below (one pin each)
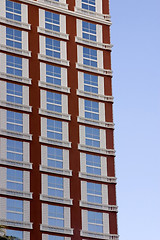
(94, 69)
(8, 133)
(53, 33)
(15, 23)
(54, 87)
(15, 193)
(16, 106)
(111, 208)
(54, 114)
(48, 198)
(13, 163)
(44, 57)
(95, 122)
(10, 223)
(94, 43)
(83, 147)
(56, 229)
(14, 78)
(54, 3)
(65, 172)
(97, 177)
(55, 142)
(99, 235)
(15, 50)
(95, 96)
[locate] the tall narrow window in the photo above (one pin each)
(95, 222)
(14, 121)
(89, 5)
(56, 216)
(55, 157)
(90, 57)
(54, 102)
(94, 192)
(14, 65)
(89, 31)
(14, 93)
(53, 74)
(13, 38)
(14, 210)
(14, 150)
(53, 48)
(90, 83)
(54, 129)
(13, 10)
(52, 21)
(91, 109)
(92, 137)
(15, 179)
(55, 186)
(93, 164)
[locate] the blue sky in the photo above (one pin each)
(135, 34)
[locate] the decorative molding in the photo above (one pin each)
(17, 106)
(11, 77)
(65, 172)
(105, 151)
(95, 96)
(48, 198)
(15, 193)
(96, 15)
(54, 142)
(15, 23)
(54, 114)
(99, 235)
(111, 208)
(54, 3)
(106, 72)
(100, 178)
(95, 122)
(53, 33)
(54, 87)
(15, 50)
(18, 224)
(13, 163)
(94, 43)
(56, 229)
(8, 133)
(50, 59)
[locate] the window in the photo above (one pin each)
(51, 237)
(14, 150)
(15, 179)
(95, 222)
(13, 10)
(54, 102)
(14, 121)
(17, 235)
(14, 65)
(90, 57)
(89, 5)
(13, 38)
(55, 186)
(89, 31)
(91, 109)
(52, 21)
(53, 74)
(94, 193)
(56, 216)
(53, 48)
(90, 83)
(55, 157)
(54, 129)
(14, 210)
(93, 164)
(14, 93)
(92, 137)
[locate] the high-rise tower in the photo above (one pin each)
(57, 176)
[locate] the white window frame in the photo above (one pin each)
(26, 185)
(67, 222)
(41, 29)
(65, 135)
(53, 3)
(24, 16)
(63, 53)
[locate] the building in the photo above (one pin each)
(57, 176)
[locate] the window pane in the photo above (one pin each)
(13, 10)
(95, 221)
(54, 129)
(92, 137)
(93, 164)
(52, 21)
(54, 102)
(14, 93)
(94, 193)
(89, 57)
(14, 150)
(56, 216)
(13, 38)
(15, 179)
(89, 31)
(53, 74)
(14, 121)
(55, 186)
(89, 5)
(14, 65)
(90, 83)
(91, 109)
(52, 47)
(18, 235)
(55, 157)
(14, 210)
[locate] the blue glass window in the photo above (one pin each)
(56, 216)
(14, 121)
(14, 150)
(90, 83)
(52, 21)
(90, 57)
(55, 186)
(94, 192)
(14, 210)
(89, 31)
(91, 109)
(14, 65)
(54, 102)
(53, 48)
(14, 179)
(55, 157)
(53, 74)
(51, 237)
(14, 93)
(54, 129)
(17, 235)
(13, 38)
(13, 10)
(92, 137)
(89, 5)
(93, 164)
(95, 222)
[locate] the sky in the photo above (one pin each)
(135, 34)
